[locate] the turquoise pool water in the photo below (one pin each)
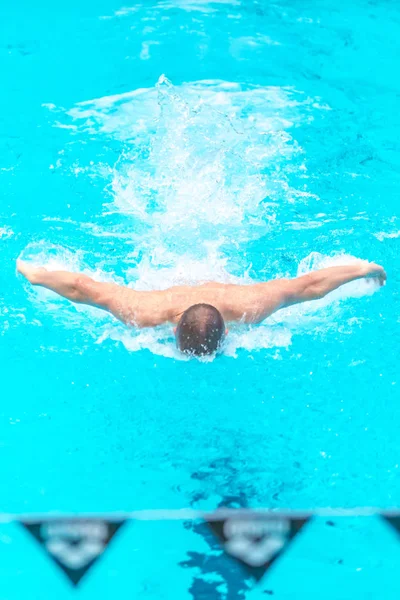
(176, 141)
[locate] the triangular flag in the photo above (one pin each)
(74, 544)
(256, 541)
(394, 522)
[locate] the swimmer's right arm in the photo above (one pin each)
(280, 293)
(318, 284)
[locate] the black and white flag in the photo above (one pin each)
(394, 521)
(255, 542)
(74, 544)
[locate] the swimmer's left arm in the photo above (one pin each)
(73, 286)
(124, 304)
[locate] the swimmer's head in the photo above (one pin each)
(200, 330)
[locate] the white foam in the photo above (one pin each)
(145, 51)
(383, 235)
(127, 10)
(199, 159)
(204, 6)
(6, 232)
(245, 42)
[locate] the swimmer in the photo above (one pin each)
(200, 311)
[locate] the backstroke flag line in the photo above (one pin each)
(255, 539)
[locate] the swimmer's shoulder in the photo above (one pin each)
(132, 307)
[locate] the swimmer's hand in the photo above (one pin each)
(29, 271)
(372, 270)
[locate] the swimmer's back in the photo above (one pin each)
(149, 309)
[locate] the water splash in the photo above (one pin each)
(205, 168)
(195, 179)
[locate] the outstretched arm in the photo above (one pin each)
(320, 283)
(280, 293)
(73, 286)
